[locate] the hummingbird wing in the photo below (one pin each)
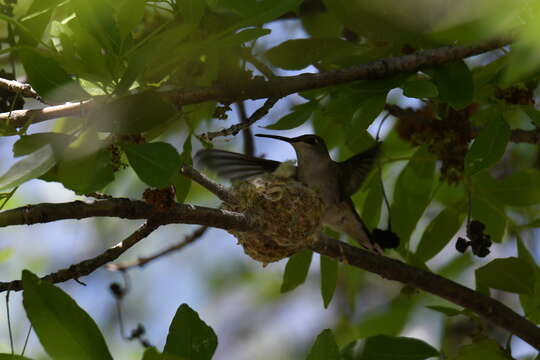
(354, 170)
(235, 166)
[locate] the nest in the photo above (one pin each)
(287, 213)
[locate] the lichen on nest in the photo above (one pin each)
(287, 215)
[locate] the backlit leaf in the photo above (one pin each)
(296, 270)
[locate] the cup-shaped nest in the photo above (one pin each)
(287, 215)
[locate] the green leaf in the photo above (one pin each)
(133, 114)
(189, 337)
(366, 112)
(485, 349)
(64, 329)
(130, 14)
(325, 347)
(530, 303)
(390, 347)
(420, 89)
(521, 188)
(154, 163)
(371, 208)
(329, 271)
(192, 11)
(260, 12)
(455, 83)
(486, 208)
(87, 173)
(296, 270)
(488, 147)
(412, 193)
(36, 20)
(5, 254)
(49, 78)
(298, 54)
(29, 143)
(30, 167)
(439, 232)
(509, 274)
(97, 19)
(299, 116)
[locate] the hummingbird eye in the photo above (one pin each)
(311, 140)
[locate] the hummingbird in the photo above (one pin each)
(335, 182)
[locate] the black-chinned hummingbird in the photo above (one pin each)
(335, 182)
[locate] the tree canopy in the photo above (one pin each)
(111, 100)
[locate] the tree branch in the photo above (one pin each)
(125, 209)
(90, 265)
(219, 190)
(392, 269)
(19, 88)
(233, 130)
(142, 261)
(279, 87)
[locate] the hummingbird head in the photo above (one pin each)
(309, 147)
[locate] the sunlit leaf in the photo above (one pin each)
(49, 78)
(29, 143)
(30, 167)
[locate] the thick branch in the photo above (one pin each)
(18, 88)
(392, 269)
(125, 209)
(279, 87)
(90, 265)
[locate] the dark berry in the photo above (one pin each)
(462, 244)
(385, 238)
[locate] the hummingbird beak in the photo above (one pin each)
(282, 138)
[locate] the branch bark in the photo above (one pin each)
(124, 209)
(392, 269)
(279, 87)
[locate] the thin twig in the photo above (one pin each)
(19, 88)
(249, 144)
(90, 265)
(259, 65)
(233, 130)
(142, 261)
(219, 190)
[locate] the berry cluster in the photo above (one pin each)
(447, 136)
(479, 241)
